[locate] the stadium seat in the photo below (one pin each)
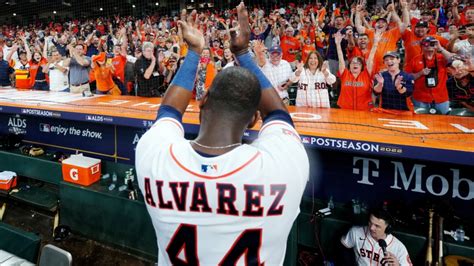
(52, 255)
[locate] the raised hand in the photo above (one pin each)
(299, 68)
(398, 81)
(403, 3)
(239, 41)
(338, 37)
(325, 66)
(390, 7)
(191, 34)
(426, 71)
(259, 47)
(379, 78)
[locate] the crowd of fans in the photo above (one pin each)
(407, 55)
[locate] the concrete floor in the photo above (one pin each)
(84, 251)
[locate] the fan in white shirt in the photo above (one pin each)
(58, 73)
(313, 78)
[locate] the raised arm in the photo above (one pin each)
(370, 60)
(180, 90)
(358, 21)
(338, 39)
(436, 18)
(455, 12)
(12, 51)
(259, 50)
(401, 24)
(270, 100)
(405, 16)
(447, 55)
(45, 49)
(27, 48)
(124, 47)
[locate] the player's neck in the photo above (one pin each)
(217, 135)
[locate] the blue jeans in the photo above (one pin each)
(440, 107)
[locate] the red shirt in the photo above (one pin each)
(356, 51)
(432, 26)
(119, 62)
(413, 46)
(421, 93)
(217, 51)
(287, 44)
(356, 93)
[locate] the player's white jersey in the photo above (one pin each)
(232, 209)
(367, 249)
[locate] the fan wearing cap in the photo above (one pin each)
(427, 17)
(388, 39)
(394, 86)
(290, 45)
(276, 69)
(356, 82)
(430, 74)
(411, 38)
(21, 67)
(103, 73)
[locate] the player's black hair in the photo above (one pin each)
(380, 213)
(235, 92)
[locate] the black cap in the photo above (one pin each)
(421, 23)
(392, 54)
(381, 18)
(426, 12)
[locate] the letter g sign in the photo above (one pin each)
(74, 174)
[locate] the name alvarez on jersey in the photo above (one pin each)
(226, 197)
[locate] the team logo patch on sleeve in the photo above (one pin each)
(306, 140)
(209, 168)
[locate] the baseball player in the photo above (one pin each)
(214, 200)
(364, 240)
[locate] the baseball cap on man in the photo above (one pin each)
(422, 24)
(392, 54)
(426, 12)
(274, 49)
(428, 39)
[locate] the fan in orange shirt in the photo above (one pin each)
(361, 49)
(290, 45)
(356, 82)
(103, 73)
(389, 38)
(426, 16)
(411, 40)
(308, 47)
